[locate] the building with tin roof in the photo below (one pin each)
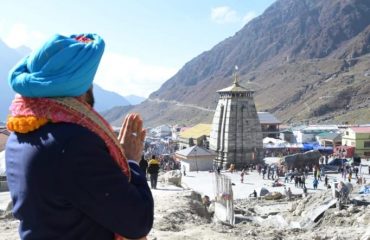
(358, 137)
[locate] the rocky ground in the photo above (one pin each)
(180, 214)
(183, 218)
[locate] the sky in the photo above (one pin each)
(147, 41)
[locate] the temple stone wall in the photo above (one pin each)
(236, 134)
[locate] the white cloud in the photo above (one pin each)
(128, 75)
(19, 34)
(224, 14)
(249, 16)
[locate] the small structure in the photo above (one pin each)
(359, 138)
(161, 131)
(306, 134)
(4, 134)
(331, 139)
(287, 135)
(344, 151)
(176, 130)
(2, 164)
(197, 135)
(3, 182)
(195, 158)
(269, 125)
(274, 143)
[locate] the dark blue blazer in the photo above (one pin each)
(65, 185)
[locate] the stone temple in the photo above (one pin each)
(236, 135)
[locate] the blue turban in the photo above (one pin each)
(62, 67)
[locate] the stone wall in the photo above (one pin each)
(236, 134)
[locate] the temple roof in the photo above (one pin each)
(236, 87)
(195, 151)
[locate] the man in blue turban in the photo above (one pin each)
(68, 174)
(62, 67)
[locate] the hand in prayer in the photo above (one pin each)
(131, 136)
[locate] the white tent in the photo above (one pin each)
(274, 143)
(2, 163)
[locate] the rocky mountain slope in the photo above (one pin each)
(308, 61)
(8, 58)
(134, 100)
(105, 100)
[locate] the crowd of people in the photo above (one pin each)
(299, 176)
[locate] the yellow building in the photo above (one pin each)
(358, 137)
(197, 135)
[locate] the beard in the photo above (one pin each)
(89, 97)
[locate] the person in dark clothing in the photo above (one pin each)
(356, 170)
(143, 164)
(299, 181)
(69, 176)
(296, 181)
(153, 170)
(303, 181)
(253, 194)
(315, 183)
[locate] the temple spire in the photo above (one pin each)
(236, 75)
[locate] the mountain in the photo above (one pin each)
(115, 115)
(9, 57)
(134, 100)
(105, 100)
(307, 60)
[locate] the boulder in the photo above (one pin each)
(173, 177)
(264, 192)
(274, 196)
(300, 160)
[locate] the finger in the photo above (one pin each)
(128, 132)
(135, 126)
(131, 122)
(126, 129)
(143, 134)
(123, 127)
(139, 127)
